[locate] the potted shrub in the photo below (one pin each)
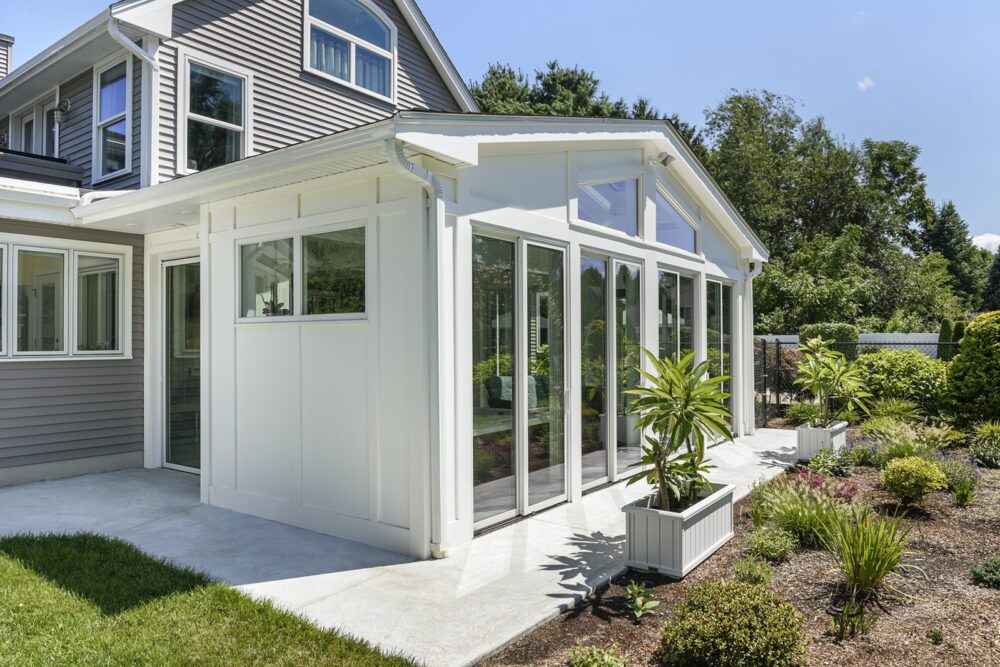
(837, 386)
(687, 519)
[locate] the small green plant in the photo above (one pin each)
(832, 379)
(987, 574)
(772, 543)
(941, 438)
(830, 462)
(728, 624)
(640, 599)
(804, 512)
(935, 636)
(868, 548)
(592, 656)
(911, 478)
(879, 428)
(984, 445)
(963, 478)
(895, 408)
(802, 413)
(754, 571)
(851, 619)
(860, 452)
(756, 506)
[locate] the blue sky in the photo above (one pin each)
(924, 72)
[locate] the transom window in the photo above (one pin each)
(215, 116)
(352, 42)
(672, 227)
(614, 204)
(330, 266)
(112, 133)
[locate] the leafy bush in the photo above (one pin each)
(592, 656)
(860, 452)
(830, 462)
(868, 547)
(973, 376)
(987, 574)
(902, 409)
(940, 437)
(754, 571)
(881, 428)
(772, 543)
(911, 478)
(963, 478)
(840, 332)
(802, 413)
(984, 445)
(904, 374)
(730, 624)
(959, 332)
(946, 350)
(803, 512)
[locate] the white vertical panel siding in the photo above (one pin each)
(290, 105)
(65, 410)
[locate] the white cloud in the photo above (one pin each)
(866, 83)
(989, 241)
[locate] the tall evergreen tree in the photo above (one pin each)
(991, 297)
(946, 233)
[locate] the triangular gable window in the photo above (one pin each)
(672, 228)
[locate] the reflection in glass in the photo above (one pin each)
(594, 367)
(628, 352)
(97, 303)
(113, 92)
(668, 315)
(493, 377)
(353, 17)
(546, 376)
(614, 205)
(217, 137)
(113, 139)
(672, 228)
(719, 307)
(40, 298)
(266, 279)
(727, 341)
(334, 272)
(183, 366)
(210, 145)
(685, 316)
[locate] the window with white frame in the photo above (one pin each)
(113, 120)
(61, 299)
(215, 121)
(34, 129)
(672, 227)
(330, 267)
(352, 42)
(612, 204)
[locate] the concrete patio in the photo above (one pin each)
(441, 612)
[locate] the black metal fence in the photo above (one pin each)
(776, 365)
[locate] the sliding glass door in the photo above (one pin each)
(719, 312)
(518, 383)
(594, 368)
(676, 298)
(628, 356)
(182, 365)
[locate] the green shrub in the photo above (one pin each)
(883, 428)
(756, 506)
(941, 437)
(731, 624)
(830, 462)
(984, 445)
(639, 597)
(802, 413)
(973, 376)
(841, 332)
(945, 350)
(963, 478)
(772, 543)
(754, 571)
(911, 478)
(959, 332)
(902, 409)
(803, 512)
(987, 574)
(592, 656)
(861, 452)
(906, 374)
(868, 547)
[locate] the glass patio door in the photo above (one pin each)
(518, 378)
(719, 311)
(182, 365)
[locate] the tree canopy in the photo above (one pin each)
(853, 234)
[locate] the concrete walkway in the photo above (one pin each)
(443, 613)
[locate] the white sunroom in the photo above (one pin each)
(417, 330)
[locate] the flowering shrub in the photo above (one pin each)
(830, 486)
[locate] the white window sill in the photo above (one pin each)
(66, 357)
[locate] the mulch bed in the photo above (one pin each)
(946, 542)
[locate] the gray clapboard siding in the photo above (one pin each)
(289, 105)
(77, 131)
(64, 410)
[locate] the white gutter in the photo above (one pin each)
(117, 35)
(436, 219)
(91, 197)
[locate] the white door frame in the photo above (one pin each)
(166, 339)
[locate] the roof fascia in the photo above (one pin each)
(153, 16)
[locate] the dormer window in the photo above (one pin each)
(352, 42)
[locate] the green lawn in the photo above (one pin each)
(88, 600)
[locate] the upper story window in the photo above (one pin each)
(613, 204)
(353, 42)
(215, 121)
(112, 120)
(672, 227)
(34, 129)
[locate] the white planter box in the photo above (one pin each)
(674, 543)
(812, 440)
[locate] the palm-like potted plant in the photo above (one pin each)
(687, 519)
(836, 384)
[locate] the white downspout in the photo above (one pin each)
(436, 218)
(117, 35)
